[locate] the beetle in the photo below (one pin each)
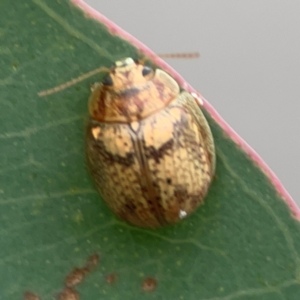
(149, 148)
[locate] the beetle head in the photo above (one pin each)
(130, 92)
(127, 74)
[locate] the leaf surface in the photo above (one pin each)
(243, 243)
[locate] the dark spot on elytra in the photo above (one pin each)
(157, 154)
(181, 194)
(169, 181)
(99, 149)
(129, 206)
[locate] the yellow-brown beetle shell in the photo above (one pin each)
(149, 147)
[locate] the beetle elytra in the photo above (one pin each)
(149, 147)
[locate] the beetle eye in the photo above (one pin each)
(146, 71)
(107, 80)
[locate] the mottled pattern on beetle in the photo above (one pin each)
(164, 164)
(186, 100)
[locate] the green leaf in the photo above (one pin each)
(243, 243)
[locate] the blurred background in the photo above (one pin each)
(249, 68)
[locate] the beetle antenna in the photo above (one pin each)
(72, 82)
(183, 55)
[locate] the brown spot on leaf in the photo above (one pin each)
(111, 278)
(31, 296)
(149, 284)
(68, 294)
(76, 276)
(92, 262)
